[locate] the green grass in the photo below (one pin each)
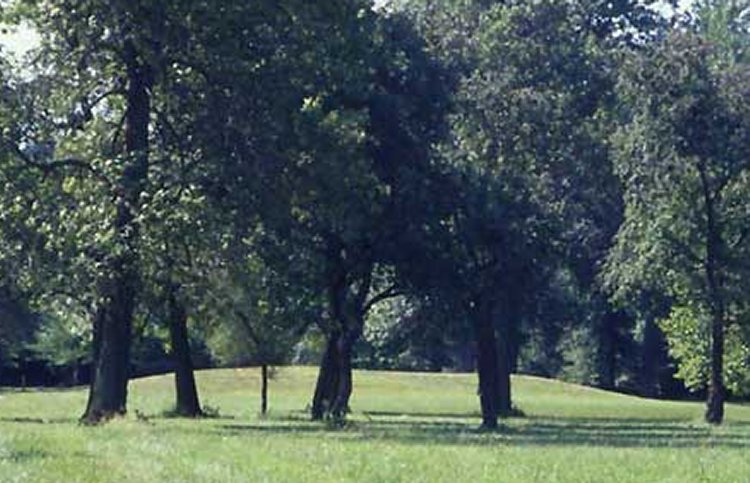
(405, 427)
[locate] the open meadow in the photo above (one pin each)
(404, 427)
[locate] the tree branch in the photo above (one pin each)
(390, 292)
(57, 164)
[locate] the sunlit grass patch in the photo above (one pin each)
(403, 427)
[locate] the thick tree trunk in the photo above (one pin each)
(716, 390)
(487, 366)
(345, 344)
(117, 291)
(186, 393)
(509, 320)
(112, 334)
(505, 403)
(263, 389)
(327, 383)
(347, 303)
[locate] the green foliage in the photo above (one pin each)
(17, 326)
(306, 161)
(725, 23)
(252, 318)
(688, 334)
(63, 341)
(579, 356)
(683, 161)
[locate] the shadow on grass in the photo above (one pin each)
(40, 389)
(26, 420)
(396, 414)
(535, 431)
(23, 456)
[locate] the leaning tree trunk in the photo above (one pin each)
(716, 390)
(327, 383)
(487, 366)
(117, 290)
(187, 402)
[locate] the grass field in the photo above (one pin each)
(404, 427)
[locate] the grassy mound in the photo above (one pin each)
(404, 427)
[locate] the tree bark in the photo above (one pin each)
(348, 290)
(487, 365)
(186, 393)
(112, 334)
(716, 390)
(263, 389)
(117, 290)
(509, 320)
(505, 402)
(345, 344)
(327, 383)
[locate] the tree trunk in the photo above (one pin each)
(112, 334)
(505, 403)
(347, 306)
(712, 264)
(509, 320)
(487, 366)
(117, 290)
(716, 390)
(345, 344)
(650, 358)
(263, 389)
(327, 383)
(186, 401)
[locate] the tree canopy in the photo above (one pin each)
(557, 187)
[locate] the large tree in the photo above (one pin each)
(529, 162)
(94, 108)
(683, 158)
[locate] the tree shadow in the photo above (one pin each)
(27, 420)
(23, 456)
(40, 389)
(535, 431)
(397, 414)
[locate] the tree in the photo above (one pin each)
(294, 167)
(256, 315)
(683, 159)
(529, 159)
(101, 38)
(103, 68)
(331, 153)
(403, 100)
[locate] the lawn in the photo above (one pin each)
(404, 427)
